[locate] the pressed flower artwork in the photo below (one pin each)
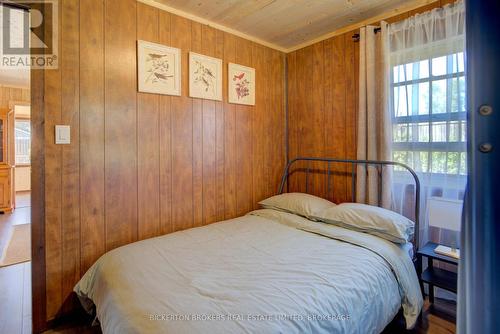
(158, 68)
(205, 77)
(241, 84)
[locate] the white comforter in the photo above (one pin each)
(267, 272)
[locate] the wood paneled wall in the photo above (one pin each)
(141, 165)
(8, 94)
(322, 109)
(322, 104)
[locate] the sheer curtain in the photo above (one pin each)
(428, 109)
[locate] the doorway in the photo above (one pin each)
(22, 158)
(15, 184)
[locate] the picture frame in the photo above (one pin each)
(205, 77)
(241, 84)
(158, 69)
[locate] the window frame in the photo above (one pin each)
(430, 146)
(25, 119)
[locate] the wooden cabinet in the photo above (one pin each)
(5, 188)
(6, 164)
(3, 138)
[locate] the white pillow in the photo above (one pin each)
(370, 219)
(298, 203)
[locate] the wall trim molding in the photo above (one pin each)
(409, 6)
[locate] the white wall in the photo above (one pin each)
(22, 111)
(23, 178)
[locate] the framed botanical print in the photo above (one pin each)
(241, 84)
(205, 77)
(158, 68)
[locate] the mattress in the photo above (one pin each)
(266, 272)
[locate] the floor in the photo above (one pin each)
(15, 299)
(23, 199)
(21, 215)
(15, 280)
(437, 318)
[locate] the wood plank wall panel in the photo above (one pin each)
(165, 148)
(92, 188)
(322, 107)
(8, 94)
(229, 134)
(277, 144)
(120, 117)
(244, 128)
(70, 114)
(142, 165)
(338, 116)
(293, 118)
(330, 135)
(317, 182)
(148, 137)
(260, 126)
(220, 133)
(197, 134)
(182, 134)
(208, 47)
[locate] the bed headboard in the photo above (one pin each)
(353, 164)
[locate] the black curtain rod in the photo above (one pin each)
(355, 37)
(15, 5)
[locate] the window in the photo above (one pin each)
(429, 115)
(23, 141)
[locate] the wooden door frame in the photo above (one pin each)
(38, 278)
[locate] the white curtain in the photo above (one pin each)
(428, 110)
(374, 120)
(428, 107)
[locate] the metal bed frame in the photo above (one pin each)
(354, 163)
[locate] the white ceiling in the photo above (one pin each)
(285, 23)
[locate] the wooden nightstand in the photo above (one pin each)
(441, 278)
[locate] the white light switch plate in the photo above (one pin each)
(63, 134)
